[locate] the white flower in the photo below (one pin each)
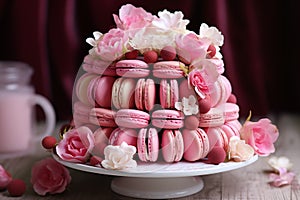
(119, 157)
(188, 105)
(239, 150)
(93, 41)
(170, 21)
(211, 33)
(278, 163)
(150, 38)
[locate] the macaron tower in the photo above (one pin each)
(159, 87)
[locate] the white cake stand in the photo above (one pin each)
(160, 180)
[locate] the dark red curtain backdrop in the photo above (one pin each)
(260, 50)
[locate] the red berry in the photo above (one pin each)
(49, 142)
(204, 104)
(232, 99)
(211, 51)
(191, 122)
(16, 188)
(168, 53)
(216, 155)
(150, 56)
(132, 54)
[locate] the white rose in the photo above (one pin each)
(238, 150)
(119, 157)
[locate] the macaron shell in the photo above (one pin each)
(115, 93)
(102, 117)
(179, 145)
(168, 69)
(228, 131)
(172, 145)
(174, 97)
(81, 113)
(120, 135)
(138, 94)
(167, 119)
(82, 87)
(168, 146)
(231, 111)
(149, 94)
(164, 93)
(217, 137)
(193, 145)
(141, 145)
(132, 118)
(103, 91)
(101, 136)
(123, 93)
(132, 68)
(153, 144)
(92, 65)
(214, 117)
(126, 93)
(148, 151)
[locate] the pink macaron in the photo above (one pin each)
(81, 87)
(145, 94)
(123, 93)
(92, 64)
(148, 144)
(217, 137)
(167, 119)
(81, 113)
(214, 117)
(196, 144)
(132, 118)
(231, 111)
(103, 117)
(172, 145)
(233, 128)
(101, 136)
(168, 69)
(221, 91)
(168, 93)
(132, 68)
(99, 91)
(120, 135)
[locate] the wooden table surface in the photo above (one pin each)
(250, 182)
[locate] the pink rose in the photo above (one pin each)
(131, 17)
(112, 44)
(202, 77)
(260, 135)
(48, 176)
(5, 178)
(190, 47)
(76, 145)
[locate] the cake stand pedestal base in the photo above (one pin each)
(157, 188)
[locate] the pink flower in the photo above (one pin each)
(283, 178)
(190, 47)
(5, 178)
(131, 17)
(203, 77)
(112, 45)
(260, 135)
(48, 176)
(76, 145)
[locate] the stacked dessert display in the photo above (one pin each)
(152, 91)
